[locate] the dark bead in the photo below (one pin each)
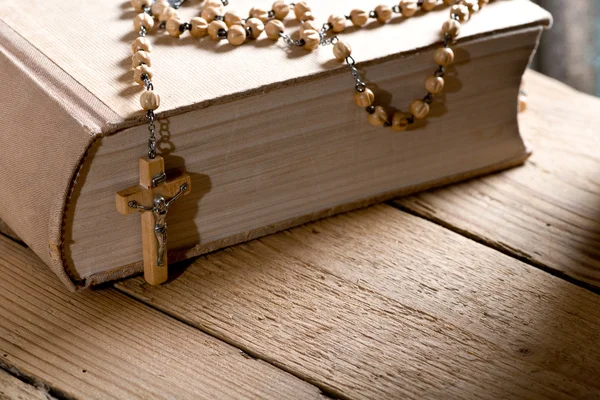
(222, 34)
(370, 109)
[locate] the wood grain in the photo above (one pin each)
(13, 389)
(104, 344)
(381, 304)
(548, 212)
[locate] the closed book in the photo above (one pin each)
(269, 133)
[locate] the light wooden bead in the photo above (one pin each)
(159, 7)
(451, 27)
(141, 57)
(342, 50)
(461, 11)
(273, 28)
(167, 15)
(419, 109)
(472, 5)
(173, 27)
(199, 27)
(139, 71)
(259, 13)
(141, 43)
(359, 17)
(139, 5)
(215, 27)
(365, 98)
(236, 35)
(210, 13)
(301, 8)
(384, 13)
(400, 122)
(449, 2)
(409, 7)
(337, 22)
(143, 20)
(379, 117)
(150, 100)
(434, 84)
(311, 38)
(256, 27)
(429, 5)
(309, 25)
(214, 3)
(232, 18)
(443, 56)
(308, 16)
(280, 9)
(482, 3)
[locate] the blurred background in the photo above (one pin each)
(570, 51)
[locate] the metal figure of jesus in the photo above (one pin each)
(153, 197)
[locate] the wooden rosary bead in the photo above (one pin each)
(365, 98)
(379, 117)
(139, 71)
(199, 27)
(214, 28)
(449, 2)
(409, 7)
(139, 5)
(167, 14)
(359, 17)
(150, 100)
(384, 13)
(273, 28)
(443, 56)
(232, 18)
(259, 13)
(141, 43)
(309, 25)
(159, 7)
(341, 50)
(312, 39)
(214, 3)
(337, 22)
(236, 35)
(173, 27)
(300, 9)
(210, 13)
(256, 27)
(434, 84)
(429, 5)
(461, 11)
(451, 27)
(400, 122)
(280, 9)
(472, 5)
(419, 109)
(143, 20)
(141, 57)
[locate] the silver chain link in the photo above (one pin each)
(359, 84)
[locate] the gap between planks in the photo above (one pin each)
(546, 213)
(380, 304)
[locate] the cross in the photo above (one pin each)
(152, 197)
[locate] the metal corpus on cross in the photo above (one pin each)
(153, 197)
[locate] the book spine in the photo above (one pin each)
(48, 123)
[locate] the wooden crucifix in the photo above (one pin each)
(153, 197)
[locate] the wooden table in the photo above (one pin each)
(483, 290)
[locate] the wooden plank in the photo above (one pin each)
(381, 304)
(104, 344)
(13, 389)
(548, 212)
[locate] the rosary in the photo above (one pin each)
(154, 187)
